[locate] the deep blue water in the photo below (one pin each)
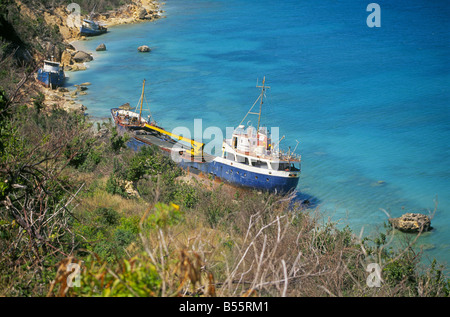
(366, 104)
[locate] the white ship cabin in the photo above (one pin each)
(51, 67)
(248, 147)
(126, 117)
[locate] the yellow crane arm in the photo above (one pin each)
(197, 147)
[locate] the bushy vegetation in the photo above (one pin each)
(66, 203)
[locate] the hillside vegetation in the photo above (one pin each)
(66, 199)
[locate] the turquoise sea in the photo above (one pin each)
(369, 106)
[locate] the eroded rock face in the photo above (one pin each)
(66, 58)
(411, 222)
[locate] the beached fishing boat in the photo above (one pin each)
(89, 27)
(51, 75)
(92, 28)
(147, 131)
(249, 158)
(128, 120)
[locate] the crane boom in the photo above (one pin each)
(196, 147)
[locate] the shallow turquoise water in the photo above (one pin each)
(366, 104)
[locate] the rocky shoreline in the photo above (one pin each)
(72, 59)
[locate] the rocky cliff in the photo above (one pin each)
(57, 19)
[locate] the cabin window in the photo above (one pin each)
(242, 159)
(230, 156)
(260, 164)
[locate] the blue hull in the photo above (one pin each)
(232, 175)
(90, 32)
(244, 178)
(52, 80)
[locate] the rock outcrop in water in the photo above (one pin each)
(101, 47)
(144, 48)
(411, 223)
(81, 57)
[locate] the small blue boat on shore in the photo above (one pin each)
(51, 75)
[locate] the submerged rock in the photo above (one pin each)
(411, 223)
(378, 183)
(81, 87)
(144, 48)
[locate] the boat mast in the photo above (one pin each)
(92, 12)
(261, 102)
(142, 101)
(263, 89)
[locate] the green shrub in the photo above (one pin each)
(115, 187)
(164, 216)
(106, 233)
(128, 278)
(117, 142)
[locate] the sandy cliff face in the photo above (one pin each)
(139, 10)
